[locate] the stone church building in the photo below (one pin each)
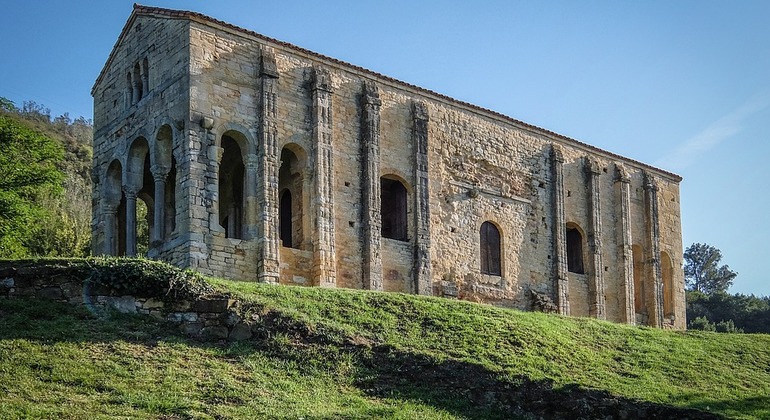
(260, 160)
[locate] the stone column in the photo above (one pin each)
(110, 233)
(596, 299)
(371, 211)
(422, 263)
(212, 197)
(249, 192)
(654, 293)
(268, 269)
(324, 254)
(159, 175)
(559, 231)
(625, 241)
(130, 194)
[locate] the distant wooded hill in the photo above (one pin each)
(45, 182)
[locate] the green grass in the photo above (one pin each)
(354, 354)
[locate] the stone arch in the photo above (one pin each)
(490, 249)
(241, 136)
(232, 178)
(640, 306)
(135, 162)
(575, 248)
(292, 178)
(667, 276)
(114, 209)
(164, 175)
(394, 207)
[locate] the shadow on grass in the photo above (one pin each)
(457, 387)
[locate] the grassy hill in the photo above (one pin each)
(356, 354)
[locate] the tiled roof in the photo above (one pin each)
(201, 18)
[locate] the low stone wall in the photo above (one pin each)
(211, 318)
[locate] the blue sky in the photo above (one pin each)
(683, 85)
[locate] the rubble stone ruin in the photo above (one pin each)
(260, 160)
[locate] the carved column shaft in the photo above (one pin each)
(250, 191)
(625, 241)
(159, 174)
(268, 270)
(597, 307)
(371, 212)
(422, 262)
(654, 293)
(324, 254)
(130, 194)
(559, 232)
(110, 233)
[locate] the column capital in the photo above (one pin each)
(556, 154)
(267, 65)
(621, 175)
(420, 111)
(650, 184)
(591, 166)
(130, 191)
(371, 94)
(322, 80)
(159, 172)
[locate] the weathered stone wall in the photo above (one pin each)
(328, 133)
(214, 318)
(127, 128)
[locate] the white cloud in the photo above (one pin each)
(722, 129)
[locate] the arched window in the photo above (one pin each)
(145, 75)
(490, 250)
(231, 180)
(284, 219)
(574, 250)
(393, 208)
(130, 90)
(291, 184)
(138, 91)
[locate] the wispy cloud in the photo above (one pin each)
(717, 132)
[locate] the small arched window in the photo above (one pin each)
(574, 251)
(490, 250)
(393, 207)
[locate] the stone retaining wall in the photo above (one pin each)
(212, 318)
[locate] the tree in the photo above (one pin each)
(702, 271)
(28, 172)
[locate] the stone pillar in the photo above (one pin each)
(324, 254)
(597, 308)
(625, 241)
(249, 192)
(371, 212)
(130, 194)
(268, 269)
(215, 157)
(110, 233)
(422, 264)
(559, 231)
(159, 175)
(654, 293)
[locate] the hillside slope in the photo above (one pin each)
(353, 354)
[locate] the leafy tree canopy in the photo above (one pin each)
(702, 271)
(28, 171)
